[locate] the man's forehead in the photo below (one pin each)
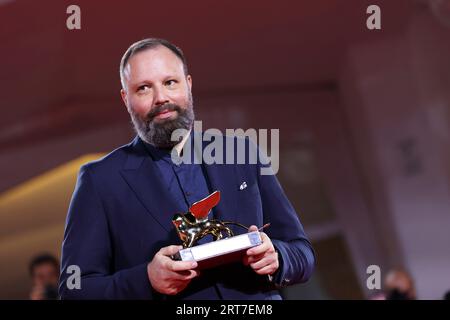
(155, 60)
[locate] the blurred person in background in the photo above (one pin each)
(44, 272)
(399, 285)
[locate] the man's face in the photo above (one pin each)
(45, 274)
(157, 95)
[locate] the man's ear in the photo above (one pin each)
(123, 94)
(189, 81)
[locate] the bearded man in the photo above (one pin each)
(119, 230)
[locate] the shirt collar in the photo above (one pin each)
(165, 154)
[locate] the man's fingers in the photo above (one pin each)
(270, 269)
(177, 266)
(192, 274)
(195, 273)
(250, 259)
(172, 265)
(183, 276)
(170, 250)
(263, 247)
(269, 260)
(168, 276)
(264, 236)
(252, 228)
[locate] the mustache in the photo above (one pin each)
(162, 108)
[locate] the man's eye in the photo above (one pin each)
(143, 87)
(170, 82)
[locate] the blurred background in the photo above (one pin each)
(364, 119)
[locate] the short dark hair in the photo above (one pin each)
(447, 295)
(43, 259)
(147, 44)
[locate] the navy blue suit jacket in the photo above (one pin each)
(120, 216)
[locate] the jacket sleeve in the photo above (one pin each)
(87, 245)
(295, 252)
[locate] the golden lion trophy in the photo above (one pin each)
(194, 225)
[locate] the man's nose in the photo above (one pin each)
(160, 97)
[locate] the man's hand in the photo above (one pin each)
(263, 258)
(168, 276)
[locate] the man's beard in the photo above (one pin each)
(159, 132)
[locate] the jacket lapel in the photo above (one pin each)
(141, 174)
(223, 177)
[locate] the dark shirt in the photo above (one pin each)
(187, 183)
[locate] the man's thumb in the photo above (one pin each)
(170, 250)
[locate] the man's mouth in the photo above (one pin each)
(165, 114)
